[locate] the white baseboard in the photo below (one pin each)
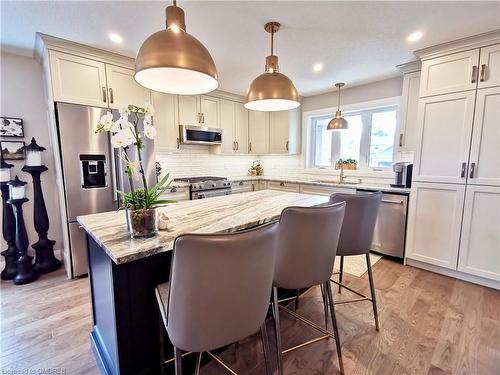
(454, 273)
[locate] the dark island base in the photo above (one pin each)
(125, 336)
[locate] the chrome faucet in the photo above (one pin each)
(342, 175)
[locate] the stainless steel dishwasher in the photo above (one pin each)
(390, 230)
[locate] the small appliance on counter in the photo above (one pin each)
(403, 172)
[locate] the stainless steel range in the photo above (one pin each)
(207, 186)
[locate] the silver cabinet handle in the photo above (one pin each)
(401, 140)
(463, 171)
(483, 72)
(178, 143)
(472, 170)
(111, 97)
(173, 190)
(249, 146)
(104, 94)
(393, 202)
(234, 145)
(286, 145)
(199, 118)
(237, 146)
(282, 184)
(474, 73)
(113, 172)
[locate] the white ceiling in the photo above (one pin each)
(358, 42)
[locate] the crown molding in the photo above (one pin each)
(47, 42)
(464, 44)
(410, 67)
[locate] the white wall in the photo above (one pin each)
(22, 95)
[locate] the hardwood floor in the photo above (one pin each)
(430, 324)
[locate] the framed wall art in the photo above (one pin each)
(12, 150)
(11, 127)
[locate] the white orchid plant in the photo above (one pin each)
(126, 134)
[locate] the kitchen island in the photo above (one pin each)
(124, 272)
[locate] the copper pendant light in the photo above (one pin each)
(175, 62)
(338, 122)
(272, 91)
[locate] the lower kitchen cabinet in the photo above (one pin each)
(434, 220)
(480, 240)
(283, 186)
(243, 186)
(324, 190)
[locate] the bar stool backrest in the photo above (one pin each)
(307, 244)
(359, 222)
(220, 287)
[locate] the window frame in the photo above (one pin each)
(365, 109)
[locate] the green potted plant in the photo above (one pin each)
(351, 164)
(141, 202)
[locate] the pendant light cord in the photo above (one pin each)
(338, 104)
(175, 3)
(272, 41)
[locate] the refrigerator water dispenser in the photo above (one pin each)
(93, 171)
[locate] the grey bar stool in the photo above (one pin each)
(219, 291)
(306, 249)
(356, 238)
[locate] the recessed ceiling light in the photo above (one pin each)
(115, 38)
(413, 37)
(318, 67)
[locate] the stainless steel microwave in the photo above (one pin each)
(190, 134)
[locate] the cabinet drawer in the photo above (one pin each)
(284, 186)
(176, 194)
(242, 186)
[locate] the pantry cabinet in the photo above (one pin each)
(489, 67)
(480, 240)
(166, 121)
(445, 127)
(258, 132)
(122, 88)
(451, 73)
(484, 167)
(78, 80)
(84, 81)
(435, 217)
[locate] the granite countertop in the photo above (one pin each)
(316, 181)
(214, 215)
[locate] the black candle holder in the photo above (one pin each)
(45, 260)
(25, 271)
(9, 231)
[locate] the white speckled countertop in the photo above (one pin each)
(213, 215)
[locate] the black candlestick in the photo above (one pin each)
(25, 271)
(9, 232)
(45, 260)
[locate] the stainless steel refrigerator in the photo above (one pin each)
(93, 172)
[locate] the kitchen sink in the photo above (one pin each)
(338, 182)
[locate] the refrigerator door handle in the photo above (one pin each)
(113, 171)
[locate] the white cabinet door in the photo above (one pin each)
(210, 111)
(189, 110)
(409, 112)
(123, 89)
(78, 80)
(241, 128)
(480, 241)
(279, 128)
(485, 147)
(451, 73)
(227, 118)
(258, 130)
(434, 219)
(283, 186)
(165, 121)
(445, 127)
(489, 66)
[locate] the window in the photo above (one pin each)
(369, 139)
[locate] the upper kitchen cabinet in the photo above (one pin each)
(284, 131)
(209, 111)
(258, 132)
(122, 88)
(489, 66)
(444, 133)
(409, 112)
(165, 120)
(450, 73)
(189, 110)
(241, 128)
(480, 239)
(484, 166)
(227, 124)
(78, 80)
